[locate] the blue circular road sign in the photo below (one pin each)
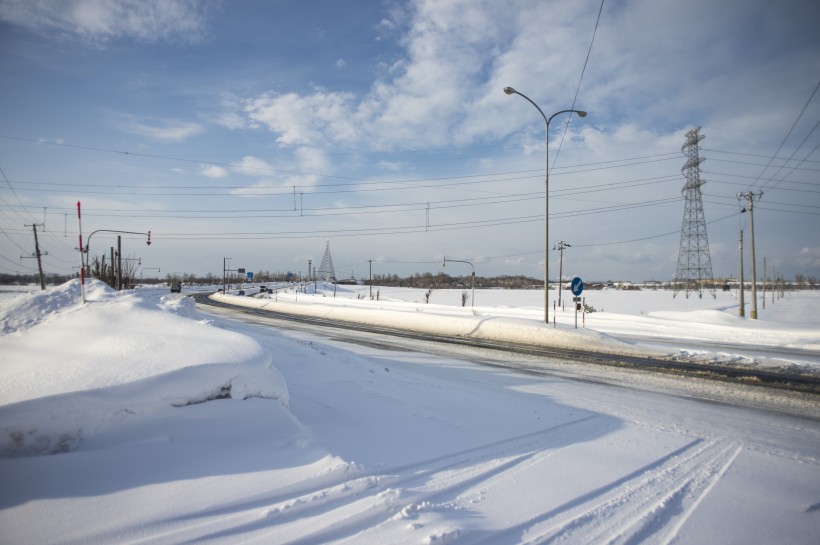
(577, 286)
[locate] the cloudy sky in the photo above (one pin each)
(260, 130)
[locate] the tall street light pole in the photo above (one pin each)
(581, 113)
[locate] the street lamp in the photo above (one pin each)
(581, 113)
(158, 269)
(119, 252)
(472, 300)
(88, 242)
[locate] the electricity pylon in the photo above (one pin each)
(694, 263)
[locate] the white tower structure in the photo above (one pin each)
(325, 271)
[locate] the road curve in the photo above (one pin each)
(704, 369)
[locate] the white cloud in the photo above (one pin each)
(304, 168)
(341, 64)
(213, 171)
(229, 114)
(230, 120)
(305, 120)
(252, 166)
(311, 163)
(446, 88)
(102, 20)
(261, 188)
(808, 258)
(169, 130)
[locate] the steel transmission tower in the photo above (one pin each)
(326, 271)
(694, 264)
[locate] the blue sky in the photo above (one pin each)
(259, 130)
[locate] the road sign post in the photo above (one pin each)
(577, 287)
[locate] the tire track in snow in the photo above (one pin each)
(649, 505)
(345, 508)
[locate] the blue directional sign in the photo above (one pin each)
(249, 275)
(577, 286)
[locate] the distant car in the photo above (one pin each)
(263, 288)
(176, 288)
(241, 292)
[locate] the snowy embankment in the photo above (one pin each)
(637, 323)
(442, 320)
(70, 369)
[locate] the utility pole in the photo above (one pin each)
(764, 283)
(774, 284)
(561, 245)
(119, 262)
(113, 272)
(38, 255)
(742, 301)
(224, 270)
(310, 262)
(82, 258)
(750, 196)
(371, 278)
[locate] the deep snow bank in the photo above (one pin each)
(441, 322)
(70, 369)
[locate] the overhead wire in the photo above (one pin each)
(788, 134)
(288, 189)
(505, 221)
(580, 79)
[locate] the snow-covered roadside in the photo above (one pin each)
(88, 367)
(444, 321)
(511, 316)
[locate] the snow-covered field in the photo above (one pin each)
(137, 418)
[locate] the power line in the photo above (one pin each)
(378, 208)
(580, 79)
(287, 189)
(757, 155)
(789, 133)
(670, 233)
(749, 177)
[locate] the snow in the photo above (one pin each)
(515, 316)
(137, 417)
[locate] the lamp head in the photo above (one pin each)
(509, 90)
(582, 113)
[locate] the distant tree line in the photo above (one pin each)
(442, 280)
(103, 270)
(26, 279)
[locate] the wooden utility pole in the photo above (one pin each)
(742, 301)
(119, 262)
(38, 255)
